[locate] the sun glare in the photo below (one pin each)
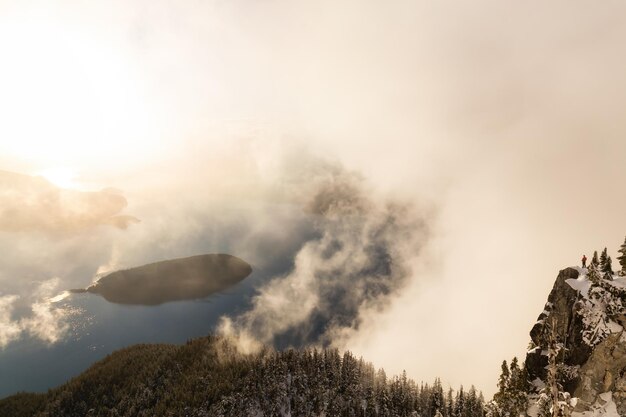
(67, 99)
(61, 177)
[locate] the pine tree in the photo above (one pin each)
(594, 261)
(505, 378)
(603, 259)
(481, 402)
(593, 274)
(557, 397)
(622, 258)
(459, 404)
(608, 268)
(523, 384)
(449, 409)
(515, 373)
(501, 398)
(472, 408)
(517, 390)
(436, 397)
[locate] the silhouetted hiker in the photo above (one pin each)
(584, 261)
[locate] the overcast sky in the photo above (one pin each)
(501, 124)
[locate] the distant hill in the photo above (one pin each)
(207, 377)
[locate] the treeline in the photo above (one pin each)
(207, 377)
(318, 383)
(602, 266)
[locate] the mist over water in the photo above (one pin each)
(330, 251)
(359, 261)
(87, 327)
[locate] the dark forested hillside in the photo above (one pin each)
(207, 377)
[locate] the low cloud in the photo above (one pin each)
(328, 248)
(9, 329)
(48, 318)
(356, 263)
(33, 204)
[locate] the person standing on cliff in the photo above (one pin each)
(584, 261)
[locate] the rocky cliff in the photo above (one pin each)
(582, 326)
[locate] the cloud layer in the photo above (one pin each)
(48, 318)
(356, 264)
(33, 204)
(507, 116)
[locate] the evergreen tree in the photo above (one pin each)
(481, 402)
(557, 398)
(523, 384)
(511, 398)
(517, 390)
(515, 374)
(593, 273)
(594, 261)
(622, 258)
(424, 398)
(459, 404)
(606, 265)
(505, 377)
(608, 268)
(472, 407)
(436, 398)
(206, 377)
(449, 408)
(381, 393)
(603, 259)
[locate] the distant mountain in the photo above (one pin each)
(208, 377)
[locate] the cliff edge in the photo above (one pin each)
(582, 327)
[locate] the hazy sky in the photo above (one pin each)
(499, 125)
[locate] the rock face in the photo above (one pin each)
(584, 316)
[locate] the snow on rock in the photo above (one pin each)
(587, 310)
(538, 383)
(580, 284)
(604, 407)
(602, 301)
